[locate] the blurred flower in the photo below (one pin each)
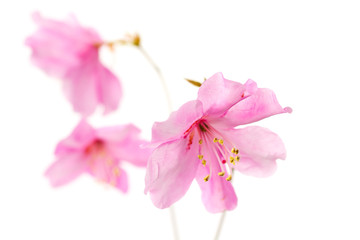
(69, 51)
(98, 152)
(199, 141)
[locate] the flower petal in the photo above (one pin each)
(218, 194)
(57, 44)
(80, 137)
(170, 172)
(122, 181)
(65, 169)
(124, 144)
(218, 94)
(81, 84)
(259, 148)
(178, 122)
(109, 90)
(257, 106)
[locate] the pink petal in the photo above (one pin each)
(65, 169)
(81, 136)
(57, 44)
(119, 133)
(122, 181)
(259, 148)
(178, 122)
(124, 144)
(106, 169)
(81, 84)
(218, 94)
(218, 194)
(109, 90)
(170, 172)
(259, 105)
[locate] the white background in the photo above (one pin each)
(308, 52)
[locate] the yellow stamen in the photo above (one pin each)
(206, 178)
(221, 174)
(233, 150)
(216, 140)
(228, 178)
(237, 158)
(237, 151)
(221, 141)
(203, 162)
(200, 156)
(232, 161)
(200, 141)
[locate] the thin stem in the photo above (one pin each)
(167, 94)
(173, 221)
(221, 222)
(161, 77)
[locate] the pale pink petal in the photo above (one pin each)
(131, 152)
(258, 149)
(124, 144)
(81, 136)
(65, 169)
(218, 194)
(122, 181)
(81, 84)
(178, 122)
(119, 133)
(259, 105)
(57, 44)
(106, 169)
(218, 94)
(170, 172)
(109, 91)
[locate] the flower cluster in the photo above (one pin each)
(70, 52)
(198, 141)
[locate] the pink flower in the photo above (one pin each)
(199, 141)
(69, 51)
(98, 152)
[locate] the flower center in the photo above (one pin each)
(101, 163)
(221, 153)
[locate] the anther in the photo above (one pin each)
(200, 141)
(235, 151)
(221, 174)
(221, 141)
(232, 161)
(237, 158)
(228, 178)
(203, 162)
(200, 156)
(206, 178)
(215, 140)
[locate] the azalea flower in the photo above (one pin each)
(98, 152)
(199, 141)
(69, 51)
